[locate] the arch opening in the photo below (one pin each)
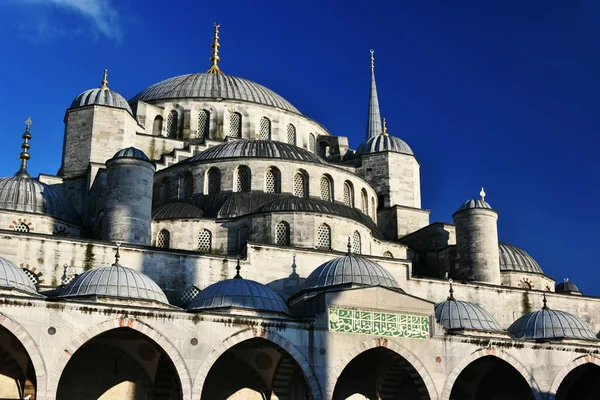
(580, 383)
(17, 374)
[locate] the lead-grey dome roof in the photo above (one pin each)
(515, 259)
(213, 87)
(25, 194)
(350, 268)
(454, 314)
(13, 277)
(238, 293)
(246, 148)
(115, 281)
(384, 142)
(177, 210)
(101, 97)
(547, 324)
(131, 152)
(469, 204)
(566, 287)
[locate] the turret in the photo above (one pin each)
(128, 211)
(477, 242)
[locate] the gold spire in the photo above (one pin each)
(384, 130)
(104, 85)
(482, 194)
(372, 59)
(214, 69)
(24, 156)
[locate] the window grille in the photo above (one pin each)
(243, 179)
(22, 227)
(324, 237)
(348, 200)
(299, 185)
(272, 181)
(243, 237)
(61, 231)
(32, 277)
(311, 142)
(526, 285)
(325, 188)
(214, 181)
(164, 239)
(188, 186)
(205, 241)
(282, 234)
(291, 134)
(188, 294)
(364, 202)
(388, 254)
(172, 122)
(235, 125)
(265, 128)
(203, 124)
(356, 246)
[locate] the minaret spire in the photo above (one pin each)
(214, 69)
(374, 120)
(24, 156)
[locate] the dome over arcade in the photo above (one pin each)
(547, 324)
(14, 278)
(131, 152)
(384, 142)
(515, 259)
(101, 96)
(567, 287)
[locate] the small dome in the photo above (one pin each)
(515, 259)
(469, 204)
(454, 314)
(101, 97)
(177, 210)
(213, 87)
(131, 152)
(350, 268)
(566, 287)
(25, 194)
(254, 149)
(547, 324)
(115, 281)
(386, 142)
(238, 293)
(13, 277)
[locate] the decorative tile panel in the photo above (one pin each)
(377, 323)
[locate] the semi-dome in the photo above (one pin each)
(455, 314)
(247, 148)
(547, 324)
(209, 86)
(349, 269)
(131, 152)
(115, 281)
(177, 210)
(24, 194)
(515, 259)
(14, 278)
(567, 287)
(383, 142)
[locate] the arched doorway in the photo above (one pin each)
(380, 373)
(255, 369)
(580, 383)
(490, 378)
(17, 375)
(120, 364)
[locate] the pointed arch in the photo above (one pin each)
(562, 374)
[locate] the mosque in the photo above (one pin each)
(206, 240)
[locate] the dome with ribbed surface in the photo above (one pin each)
(213, 87)
(115, 281)
(547, 324)
(515, 259)
(380, 143)
(254, 149)
(13, 277)
(177, 210)
(238, 293)
(131, 152)
(25, 194)
(349, 269)
(470, 204)
(567, 287)
(101, 97)
(454, 314)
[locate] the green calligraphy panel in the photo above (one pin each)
(376, 323)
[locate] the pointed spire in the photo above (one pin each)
(238, 268)
(24, 156)
(104, 85)
(117, 255)
(214, 69)
(545, 307)
(349, 246)
(294, 274)
(451, 297)
(374, 120)
(482, 194)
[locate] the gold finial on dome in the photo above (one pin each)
(104, 85)
(482, 194)
(24, 156)
(372, 59)
(214, 68)
(384, 130)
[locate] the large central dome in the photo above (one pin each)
(213, 87)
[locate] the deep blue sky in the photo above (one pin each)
(500, 94)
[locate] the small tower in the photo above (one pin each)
(128, 211)
(477, 241)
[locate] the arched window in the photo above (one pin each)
(324, 237)
(311, 142)
(157, 126)
(300, 185)
(235, 124)
(243, 237)
(273, 181)
(204, 241)
(291, 134)
(348, 194)
(32, 277)
(356, 245)
(163, 239)
(282, 234)
(388, 254)
(243, 179)
(526, 285)
(172, 122)
(188, 186)
(364, 203)
(265, 128)
(213, 179)
(326, 188)
(165, 190)
(22, 227)
(203, 124)
(373, 211)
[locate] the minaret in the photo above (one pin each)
(374, 120)
(214, 69)
(24, 156)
